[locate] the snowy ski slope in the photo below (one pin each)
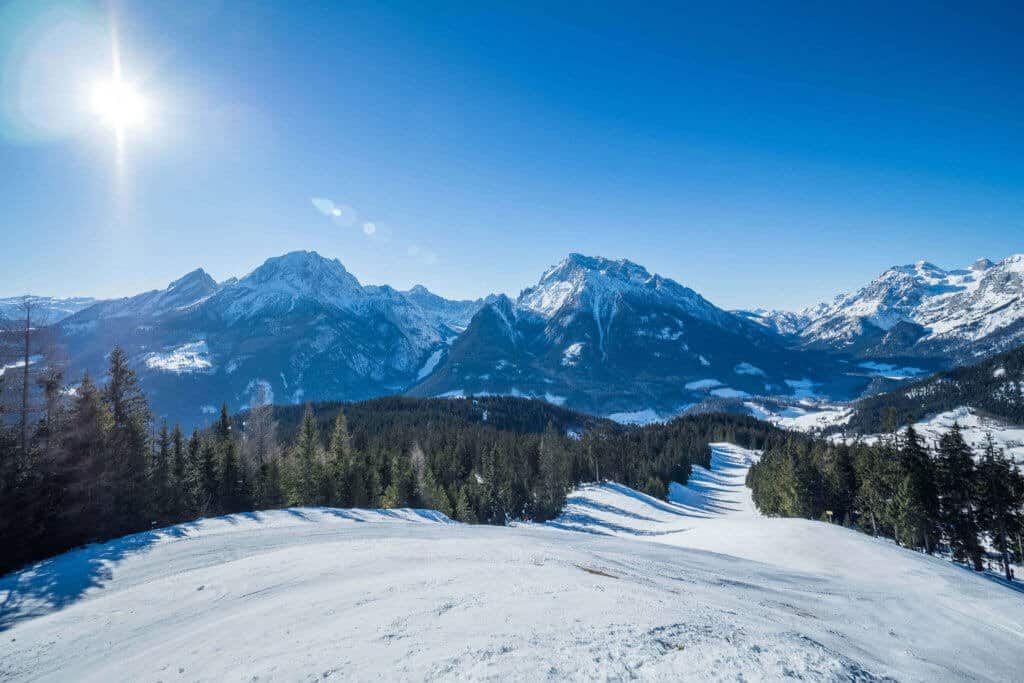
(698, 588)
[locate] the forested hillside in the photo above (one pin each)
(995, 387)
(947, 499)
(93, 465)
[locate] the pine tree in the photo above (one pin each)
(195, 496)
(958, 486)
(306, 464)
(223, 428)
(86, 510)
(1000, 497)
(553, 473)
(160, 473)
(919, 499)
(877, 475)
(129, 448)
(208, 481)
(339, 458)
(232, 492)
(463, 510)
(269, 493)
(179, 473)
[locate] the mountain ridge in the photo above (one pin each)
(598, 334)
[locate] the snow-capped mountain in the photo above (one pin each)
(454, 314)
(783, 323)
(45, 309)
(609, 337)
(601, 335)
(924, 310)
(186, 291)
(299, 324)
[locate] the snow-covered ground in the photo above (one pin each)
(720, 594)
(191, 357)
(975, 429)
(804, 416)
(19, 364)
(637, 417)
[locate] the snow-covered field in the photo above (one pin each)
(699, 588)
(975, 429)
(804, 416)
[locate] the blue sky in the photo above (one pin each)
(765, 156)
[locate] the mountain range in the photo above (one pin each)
(601, 335)
(919, 311)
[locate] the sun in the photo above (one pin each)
(118, 105)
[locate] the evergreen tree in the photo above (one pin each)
(269, 492)
(306, 464)
(160, 478)
(208, 481)
(878, 476)
(958, 483)
(223, 428)
(339, 458)
(1000, 498)
(553, 473)
(232, 492)
(195, 497)
(128, 444)
(180, 480)
(463, 509)
(919, 499)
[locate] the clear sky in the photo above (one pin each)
(764, 154)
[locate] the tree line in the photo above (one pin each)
(942, 498)
(95, 464)
(994, 387)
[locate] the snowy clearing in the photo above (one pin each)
(974, 427)
(636, 417)
(319, 593)
(32, 360)
(890, 371)
(703, 384)
(807, 416)
(748, 369)
(191, 357)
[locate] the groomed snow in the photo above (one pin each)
(403, 595)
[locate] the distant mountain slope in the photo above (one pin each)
(995, 387)
(608, 336)
(299, 324)
(391, 414)
(784, 323)
(46, 310)
(922, 310)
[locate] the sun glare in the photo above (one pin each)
(118, 105)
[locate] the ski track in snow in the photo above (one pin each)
(700, 587)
